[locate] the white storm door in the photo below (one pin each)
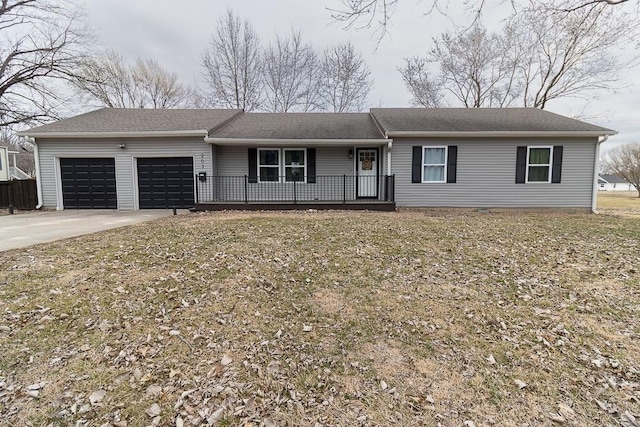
(367, 169)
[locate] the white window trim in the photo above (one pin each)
(284, 165)
(423, 164)
(550, 164)
(269, 166)
(282, 168)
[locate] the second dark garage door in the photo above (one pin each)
(165, 182)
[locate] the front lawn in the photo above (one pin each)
(402, 319)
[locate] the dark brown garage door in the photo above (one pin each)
(164, 183)
(88, 183)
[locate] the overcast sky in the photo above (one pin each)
(176, 33)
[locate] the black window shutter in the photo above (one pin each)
(521, 165)
(416, 165)
(452, 163)
(311, 165)
(253, 165)
(556, 171)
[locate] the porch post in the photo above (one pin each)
(246, 183)
(295, 195)
(344, 189)
(197, 190)
(393, 188)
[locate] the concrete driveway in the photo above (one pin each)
(20, 230)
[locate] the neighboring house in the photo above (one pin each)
(4, 164)
(407, 157)
(614, 182)
(9, 170)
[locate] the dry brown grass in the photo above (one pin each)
(619, 202)
(412, 318)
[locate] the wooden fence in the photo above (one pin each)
(21, 194)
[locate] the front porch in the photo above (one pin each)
(246, 192)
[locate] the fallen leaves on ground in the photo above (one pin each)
(412, 318)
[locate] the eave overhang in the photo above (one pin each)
(264, 142)
(500, 134)
(111, 135)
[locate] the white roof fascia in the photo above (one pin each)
(295, 142)
(497, 134)
(132, 134)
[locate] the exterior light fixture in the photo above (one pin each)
(121, 146)
(350, 153)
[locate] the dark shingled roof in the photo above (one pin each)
(236, 125)
(301, 126)
(479, 120)
(614, 179)
(139, 120)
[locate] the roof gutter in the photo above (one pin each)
(596, 170)
(265, 142)
(103, 135)
(498, 134)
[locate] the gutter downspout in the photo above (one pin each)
(389, 145)
(36, 156)
(596, 170)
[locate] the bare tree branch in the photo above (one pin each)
(345, 79)
(108, 80)
(41, 43)
(537, 58)
(424, 88)
(473, 68)
(376, 15)
(625, 161)
(291, 76)
(568, 55)
(233, 64)
(572, 6)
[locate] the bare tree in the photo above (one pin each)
(625, 161)
(160, 88)
(377, 14)
(291, 75)
(233, 64)
(425, 88)
(567, 55)
(535, 59)
(108, 80)
(40, 44)
(345, 79)
(472, 67)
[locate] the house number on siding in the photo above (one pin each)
(202, 160)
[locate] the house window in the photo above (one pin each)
(269, 165)
(294, 165)
(539, 161)
(434, 164)
(287, 164)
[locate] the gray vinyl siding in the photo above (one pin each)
(52, 149)
(486, 176)
(332, 163)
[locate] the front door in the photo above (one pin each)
(367, 169)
